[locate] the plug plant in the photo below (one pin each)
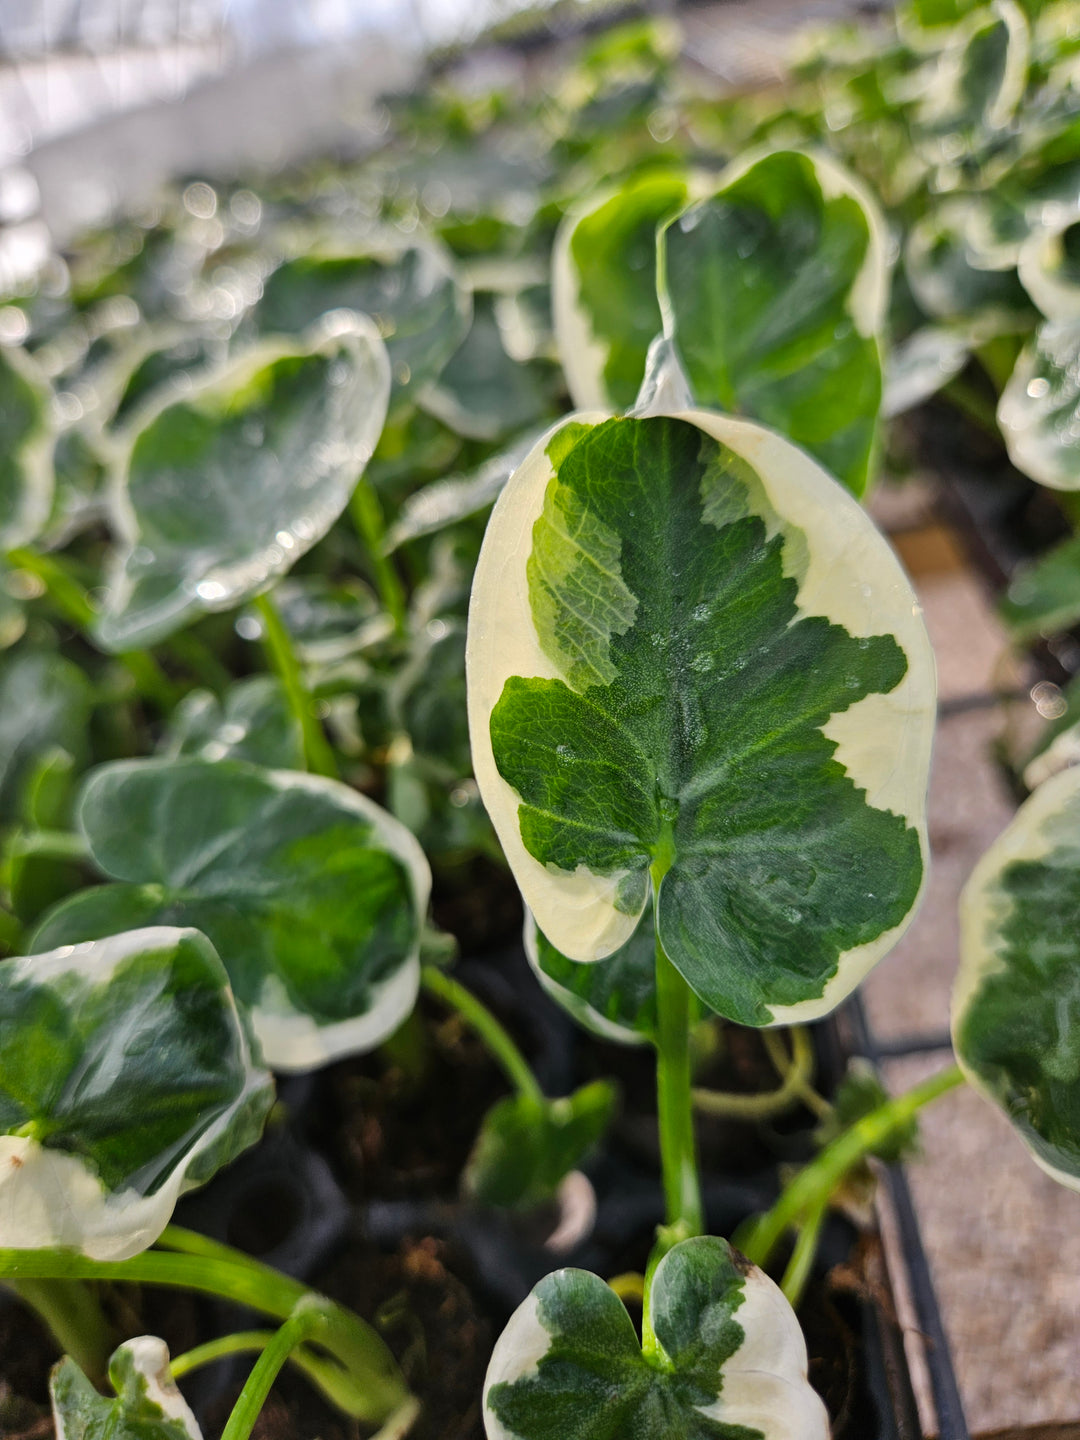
(252, 446)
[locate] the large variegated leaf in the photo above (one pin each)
(728, 1361)
(773, 291)
(26, 469)
(224, 490)
(313, 895)
(148, 1404)
(1039, 410)
(1016, 1005)
(604, 278)
(125, 1077)
(409, 289)
(692, 655)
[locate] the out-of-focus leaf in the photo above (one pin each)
(1039, 409)
(26, 469)
(45, 703)
(253, 722)
(226, 489)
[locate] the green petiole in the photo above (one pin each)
(811, 1189)
(494, 1036)
(367, 516)
(282, 656)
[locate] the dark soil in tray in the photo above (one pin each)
(355, 1188)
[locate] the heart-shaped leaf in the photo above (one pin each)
(614, 998)
(148, 1404)
(1039, 409)
(1016, 1005)
(604, 277)
(125, 1077)
(527, 1147)
(253, 721)
(226, 488)
(410, 291)
(773, 292)
(45, 702)
(313, 895)
(26, 470)
(691, 653)
(728, 1360)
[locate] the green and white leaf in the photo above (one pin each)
(690, 648)
(254, 721)
(314, 896)
(1058, 744)
(526, 1148)
(606, 310)
(45, 703)
(409, 288)
(729, 1361)
(920, 365)
(1016, 1003)
(952, 278)
(457, 497)
(125, 1078)
(1049, 268)
(482, 393)
(614, 998)
(26, 468)
(327, 620)
(224, 490)
(148, 1404)
(773, 291)
(976, 84)
(1039, 409)
(1043, 598)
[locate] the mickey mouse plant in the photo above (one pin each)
(701, 701)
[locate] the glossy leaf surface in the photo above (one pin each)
(730, 1362)
(526, 1149)
(606, 307)
(253, 721)
(690, 649)
(411, 293)
(1016, 1005)
(774, 291)
(125, 1077)
(148, 1404)
(227, 488)
(1039, 410)
(313, 895)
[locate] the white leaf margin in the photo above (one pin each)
(1049, 815)
(847, 573)
(51, 1200)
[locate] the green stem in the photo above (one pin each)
(72, 601)
(367, 516)
(802, 1256)
(369, 1369)
(73, 1313)
(69, 597)
(239, 1343)
(49, 844)
(329, 1377)
(795, 1084)
(815, 1184)
(308, 1320)
(516, 1067)
(972, 403)
(279, 648)
(678, 1150)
